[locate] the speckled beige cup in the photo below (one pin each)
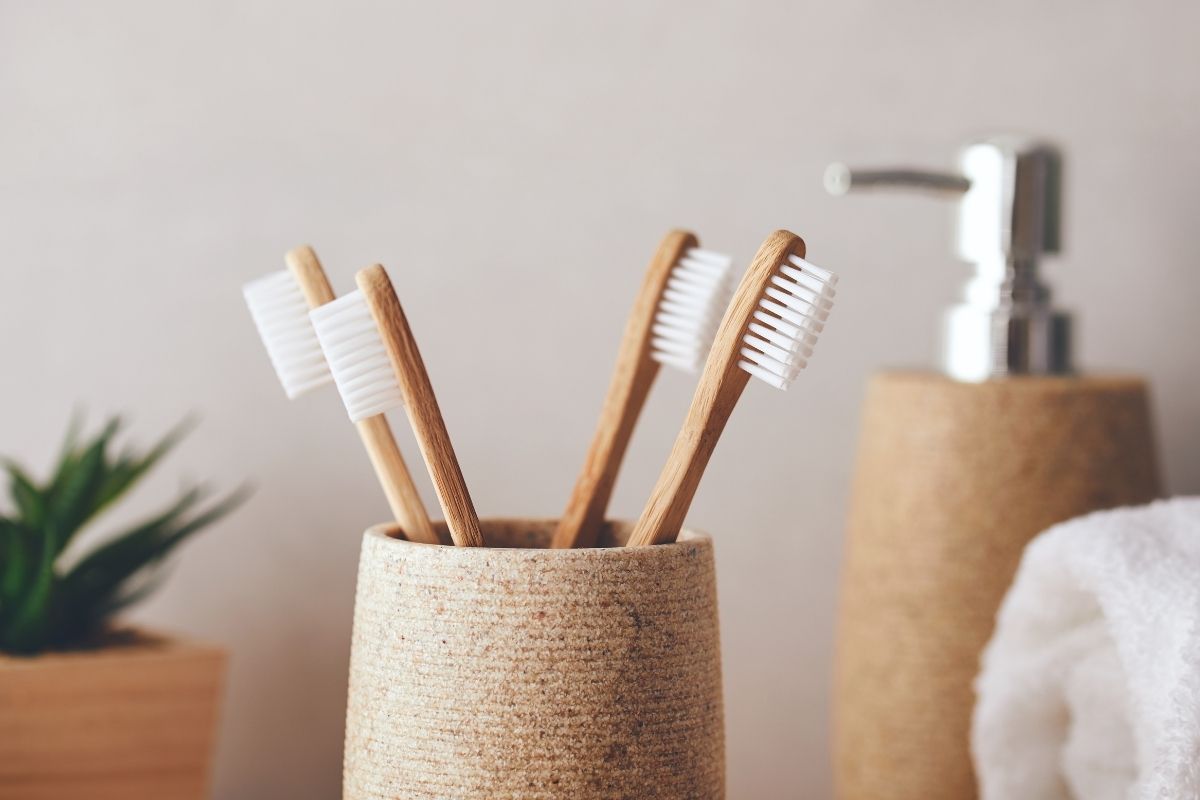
(513, 671)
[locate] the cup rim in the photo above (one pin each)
(688, 537)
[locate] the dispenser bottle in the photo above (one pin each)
(957, 471)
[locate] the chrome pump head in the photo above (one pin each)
(1010, 198)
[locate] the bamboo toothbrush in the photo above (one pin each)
(768, 332)
(376, 366)
(675, 316)
(279, 304)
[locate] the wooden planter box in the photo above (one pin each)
(131, 721)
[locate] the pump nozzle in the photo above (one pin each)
(1009, 194)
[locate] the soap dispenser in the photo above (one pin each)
(958, 469)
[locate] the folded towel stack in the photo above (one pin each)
(1090, 687)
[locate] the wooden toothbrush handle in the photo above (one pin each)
(306, 268)
(402, 495)
(672, 496)
(627, 391)
(421, 405)
(721, 384)
(376, 434)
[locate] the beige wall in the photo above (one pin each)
(515, 164)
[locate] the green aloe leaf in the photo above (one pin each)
(14, 563)
(106, 566)
(28, 499)
(70, 438)
(73, 492)
(26, 630)
(69, 452)
(87, 618)
(96, 578)
(129, 469)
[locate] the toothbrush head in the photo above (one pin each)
(358, 358)
(790, 314)
(690, 308)
(280, 312)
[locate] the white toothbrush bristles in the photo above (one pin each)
(280, 313)
(788, 320)
(358, 359)
(691, 307)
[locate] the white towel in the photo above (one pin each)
(1090, 687)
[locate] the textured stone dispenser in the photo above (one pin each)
(515, 671)
(953, 479)
(957, 472)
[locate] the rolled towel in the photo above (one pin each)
(1090, 686)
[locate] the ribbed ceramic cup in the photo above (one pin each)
(514, 671)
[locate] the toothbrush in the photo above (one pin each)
(376, 366)
(769, 331)
(674, 318)
(279, 304)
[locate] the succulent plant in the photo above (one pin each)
(49, 600)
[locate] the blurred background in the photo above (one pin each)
(514, 165)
